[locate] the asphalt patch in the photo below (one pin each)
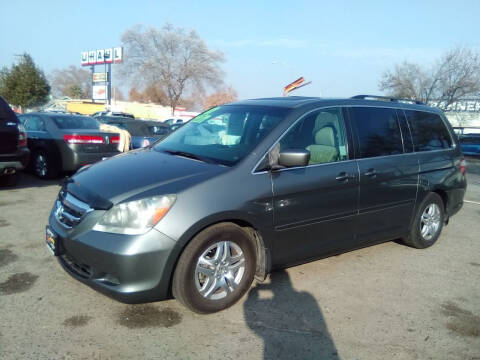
(7, 257)
(4, 223)
(461, 321)
(17, 283)
(474, 264)
(77, 321)
(6, 203)
(146, 315)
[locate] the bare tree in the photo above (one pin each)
(177, 61)
(459, 75)
(454, 76)
(72, 81)
(220, 97)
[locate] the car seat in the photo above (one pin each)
(325, 148)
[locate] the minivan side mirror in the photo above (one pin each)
(294, 158)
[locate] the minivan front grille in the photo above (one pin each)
(69, 210)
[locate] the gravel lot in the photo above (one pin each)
(383, 302)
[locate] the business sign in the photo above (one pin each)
(117, 55)
(99, 92)
(99, 77)
(92, 57)
(84, 58)
(108, 56)
(102, 56)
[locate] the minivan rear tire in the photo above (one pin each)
(432, 203)
(186, 284)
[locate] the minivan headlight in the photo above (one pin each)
(135, 217)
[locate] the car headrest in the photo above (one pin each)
(325, 136)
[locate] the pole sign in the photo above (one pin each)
(100, 77)
(117, 55)
(102, 56)
(84, 58)
(108, 56)
(102, 81)
(99, 92)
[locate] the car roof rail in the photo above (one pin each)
(387, 98)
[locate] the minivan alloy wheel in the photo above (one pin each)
(219, 270)
(430, 221)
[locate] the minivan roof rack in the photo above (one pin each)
(387, 98)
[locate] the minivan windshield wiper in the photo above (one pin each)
(190, 156)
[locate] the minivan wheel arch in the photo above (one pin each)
(263, 253)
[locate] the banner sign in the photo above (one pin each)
(99, 77)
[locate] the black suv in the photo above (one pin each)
(14, 153)
(248, 187)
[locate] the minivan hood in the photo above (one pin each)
(142, 172)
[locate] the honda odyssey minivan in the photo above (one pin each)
(255, 185)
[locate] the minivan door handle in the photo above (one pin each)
(371, 173)
(343, 176)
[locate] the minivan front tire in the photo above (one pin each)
(428, 222)
(216, 269)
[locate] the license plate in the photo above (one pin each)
(52, 241)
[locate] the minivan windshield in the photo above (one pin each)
(223, 134)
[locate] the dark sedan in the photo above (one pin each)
(60, 142)
(143, 132)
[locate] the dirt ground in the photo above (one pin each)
(384, 302)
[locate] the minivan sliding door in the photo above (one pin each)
(388, 173)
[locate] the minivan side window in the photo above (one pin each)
(322, 133)
(378, 131)
(428, 131)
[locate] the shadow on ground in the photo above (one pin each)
(26, 180)
(290, 323)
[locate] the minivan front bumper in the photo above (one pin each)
(131, 269)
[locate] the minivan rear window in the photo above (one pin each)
(428, 131)
(378, 131)
(75, 122)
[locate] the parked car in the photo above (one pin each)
(174, 127)
(470, 144)
(143, 132)
(292, 180)
(113, 113)
(173, 121)
(14, 153)
(61, 142)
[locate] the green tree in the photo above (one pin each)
(24, 84)
(75, 91)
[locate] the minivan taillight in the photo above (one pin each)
(22, 136)
(463, 166)
(83, 139)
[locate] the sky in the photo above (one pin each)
(342, 46)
